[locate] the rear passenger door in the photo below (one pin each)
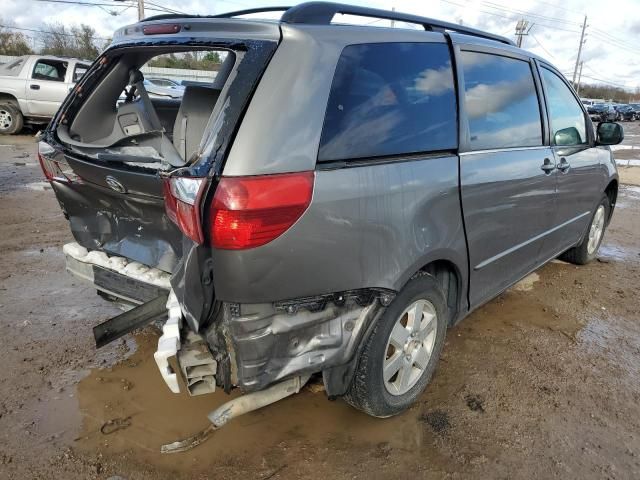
(506, 168)
(47, 88)
(579, 182)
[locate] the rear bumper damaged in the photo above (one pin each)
(250, 346)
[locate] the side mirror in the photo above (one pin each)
(609, 133)
(567, 137)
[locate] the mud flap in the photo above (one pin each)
(126, 322)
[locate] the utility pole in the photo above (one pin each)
(140, 8)
(522, 30)
(393, 22)
(575, 70)
(579, 78)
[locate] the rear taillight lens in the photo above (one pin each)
(251, 211)
(54, 169)
(182, 202)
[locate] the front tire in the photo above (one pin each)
(11, 120)
(399, 357)
(587, 249)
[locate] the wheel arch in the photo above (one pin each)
(449, 276)
(8, 98)
(612, 193)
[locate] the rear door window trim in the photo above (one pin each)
(464, 140)
(402, 156)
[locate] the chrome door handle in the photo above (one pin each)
(548, 166)
(563, 166)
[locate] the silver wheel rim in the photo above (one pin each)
(5, 120)
(596, 230)
(410, 347)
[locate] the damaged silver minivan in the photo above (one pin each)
(335, 200)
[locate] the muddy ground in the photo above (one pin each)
(542, 382)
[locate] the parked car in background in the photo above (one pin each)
(155, 90)
(626, 113)
(165, 83)
(602, 112)
(33, 87)
(636, 108)
(341, 231)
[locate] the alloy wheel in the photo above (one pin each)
(6, 120)
(410, 347)
(596, 230)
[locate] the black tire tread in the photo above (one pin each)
(359, 393)
(18, 122)
(579, 255)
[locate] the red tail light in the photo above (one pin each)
(57, 169)
(182, 202)
(251, 211)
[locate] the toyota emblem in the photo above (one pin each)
(115, 184)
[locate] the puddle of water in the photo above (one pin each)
(616, 252)
(57, 415)
(615, 340)
(38, 186)
(631, 190)
(134, 388)
(632, 162)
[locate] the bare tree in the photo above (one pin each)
(606, 92)
(13, 43)
(77, 41)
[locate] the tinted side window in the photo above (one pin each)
(501, 102)
(389, 99)
(568, 125)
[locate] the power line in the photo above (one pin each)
(167, 9)
(497, 6)
(542, 46)
(513, 18)
(47, 32)
(599, 80)
(606, 81)
(559, 7)
(615, 43)
(91, 4)
(613, 38)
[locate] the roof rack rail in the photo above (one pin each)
(249, 11)
(321, 13)
(237, 13)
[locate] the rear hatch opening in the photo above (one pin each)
(132, 164)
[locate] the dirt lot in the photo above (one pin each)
(543, 382)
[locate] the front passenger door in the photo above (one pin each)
(578, 180)
(507, 173)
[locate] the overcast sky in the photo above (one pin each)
(611, 52)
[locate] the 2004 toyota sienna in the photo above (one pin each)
(336, 199)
